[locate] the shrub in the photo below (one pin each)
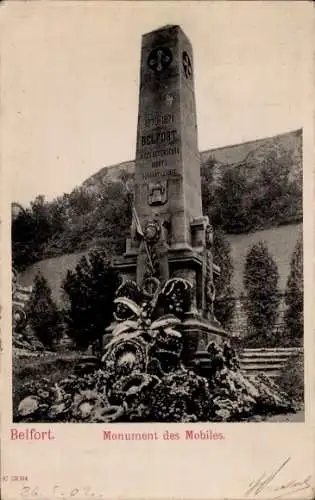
(293, 316)
(291, 379)
(224, 303)
(261, 279)
(42, 313)
(90, 290)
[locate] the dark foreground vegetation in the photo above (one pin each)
(58, 391)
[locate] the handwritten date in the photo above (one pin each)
(58, 492)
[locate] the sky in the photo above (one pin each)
(70, 78)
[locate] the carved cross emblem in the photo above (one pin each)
(187, 65)
(160, 59)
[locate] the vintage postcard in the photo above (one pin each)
(157, 250)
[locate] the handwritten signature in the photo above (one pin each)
(286, 489)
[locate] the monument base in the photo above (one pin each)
(185, 262)
(197, 328)
(198, 332)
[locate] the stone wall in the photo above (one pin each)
(239, 326)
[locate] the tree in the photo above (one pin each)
(113, 216)
(33, 228)
(293, 316)
(209, 187)
(42, 313)
(90, 290)
(277, 197)
(224, 303)
(57, 217)
(233, 196)
(41, 217)
(261, 279)
(22, 234)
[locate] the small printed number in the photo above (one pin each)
(14, 478)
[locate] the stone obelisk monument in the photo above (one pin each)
(167, 195)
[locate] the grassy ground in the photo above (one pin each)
(51, 366)
(289, 417)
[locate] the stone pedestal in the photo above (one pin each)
(198, 333)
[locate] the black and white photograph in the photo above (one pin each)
(156, 173)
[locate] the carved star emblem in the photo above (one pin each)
(187, 65)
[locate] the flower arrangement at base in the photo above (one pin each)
(73, 399)
(136, 341)
(141, 377)
(236, 395)
(180, 396)
(133, 391)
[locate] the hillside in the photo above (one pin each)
(246, 188)
(246, 153)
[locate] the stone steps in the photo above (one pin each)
(266, 360)
(270, 373)
(275, 350)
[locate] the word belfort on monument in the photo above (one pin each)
(175, 238)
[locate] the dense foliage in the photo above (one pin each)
(90, 290)
(43, 315)
(261, 279)
(261, 191)
(32, 228)
(224, 302)
(292, 334)
(72, 222)
(291, 379)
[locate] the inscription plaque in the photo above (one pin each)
(158, 119)
(168, 136)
